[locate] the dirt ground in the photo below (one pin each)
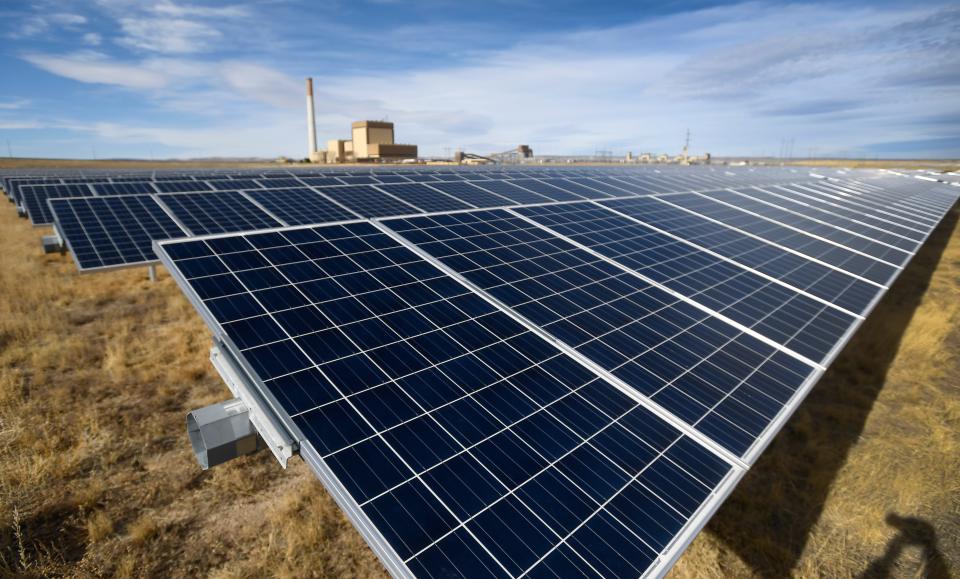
(97, 478)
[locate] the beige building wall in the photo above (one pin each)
(360, 138)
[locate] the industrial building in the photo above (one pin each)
(371, 141)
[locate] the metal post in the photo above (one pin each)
(152, 271)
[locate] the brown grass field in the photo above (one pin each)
(97, 477)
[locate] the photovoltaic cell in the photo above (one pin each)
(549, 191)
(836, 255)
(835, 286)
(470, 444)
(806, 326)
(182, 186)
(831, 232)
(518, 195)
(368, 201)
(422, 196)
(724, 382)
(135, 188)
(112, 231)
(300, 206)
(234, 184)
(217, 212)
(470, 193)
(35, 199)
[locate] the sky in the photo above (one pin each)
(182, 79)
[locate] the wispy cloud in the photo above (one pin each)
(95, 67)
(167, 36)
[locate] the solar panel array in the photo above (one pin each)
(232, 205)
(566, 384)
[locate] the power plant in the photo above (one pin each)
(371, 141)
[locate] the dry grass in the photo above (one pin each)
(97, 478)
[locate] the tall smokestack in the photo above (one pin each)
(311, 124)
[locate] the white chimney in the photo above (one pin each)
(311, 124)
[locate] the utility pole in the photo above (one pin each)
(9, 150)
(686, 147)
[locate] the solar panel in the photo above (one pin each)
(368, 201)
(422, 196)
(817, 278)
(728, 383)
(809, 226)
(35, 199)
(422, 178)
(584, 191)
(462, 442)
(506, 189)
(888, 233)
(300, 206)
(358, 180)
(234, 184)
(834, 254)
(279, 183)
(321, 181)
(392, 178)
(136, 188)
(549, 191)
(182, 186)
(104, 232)
(217, 212)
(792, 318)
(469, 193)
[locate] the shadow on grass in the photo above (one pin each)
(768, 518)
(913, 532)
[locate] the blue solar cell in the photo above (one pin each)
(549, 191)
(471, 444)
(112, 231)
(358, 180)
(792, 319)
(518, 195)
(217, 212)
(182, 186)
(35, 199)
(300, 206)
(832, 285)
(641, 334)
(368, 201)
(469, 193)
(234, 184)
(422, 196)
(141, 188)
(839, 256)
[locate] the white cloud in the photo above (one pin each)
(92, 39)
(67, 19)
(167, 36)
(14, 105)
(168, 8)
(94, 67)
(261, 83)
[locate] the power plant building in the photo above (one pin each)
(372, 141)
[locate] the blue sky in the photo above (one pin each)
(173, 78)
